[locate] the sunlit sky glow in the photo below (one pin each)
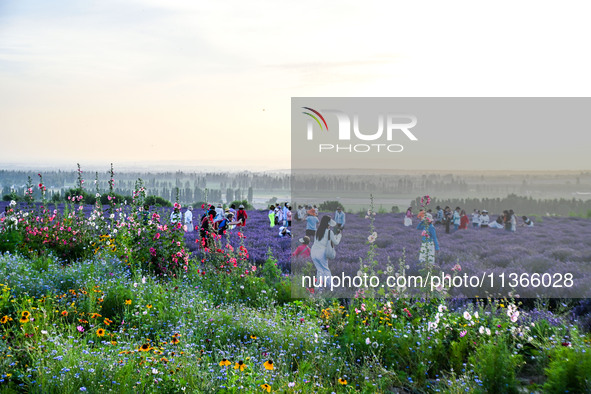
(211, 81)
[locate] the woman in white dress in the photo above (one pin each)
(189, 219)
(323, 249)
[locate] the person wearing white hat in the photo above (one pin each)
(323, 249)
(304, 249)
(284, 232)
(484, 219)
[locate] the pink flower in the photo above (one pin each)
(80, 328)
(463, 333)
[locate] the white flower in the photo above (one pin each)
(154, 371)
(441, 308)
(44, 332)
(467, 315)
(432, 325)
(367, 341)
(476, 314)
(481, 330)
(487, 331)
(371, 238)
(143, 279)
(12, 203)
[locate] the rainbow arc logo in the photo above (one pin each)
(316, 118)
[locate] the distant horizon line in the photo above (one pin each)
(254, 167)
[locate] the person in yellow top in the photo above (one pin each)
(272, 216)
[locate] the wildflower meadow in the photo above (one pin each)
(117, 298)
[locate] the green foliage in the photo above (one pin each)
(10, 241)
(395, 209)
(569, 371)
(12, 197)
(329, 206)
(157, 201)
(246, 204)
(495, 365)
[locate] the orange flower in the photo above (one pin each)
(94, 315)
(240, 365)
(269, 365)
(4, 319)
(127, 302)
(25, 314)
(343, 381)
(149, 306)
(224, 363)
(266, 387)
(145, 348)
(107, 321)
(174, 340)
(100, 332)
(64, 313)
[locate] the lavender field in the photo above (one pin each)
(553, 245)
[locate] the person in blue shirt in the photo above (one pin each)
(429, 243)
(311, 223)
(339, 217)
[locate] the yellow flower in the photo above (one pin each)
(144, 348)
(149, 306)
(253, 337)
(240, 365)
(100, 332)
(224, 363)
(269, 365)
(25, 314)
(266, 387)
(127, 302)
(24, 319)
(4, 319)
(343, 381)
(174, 340)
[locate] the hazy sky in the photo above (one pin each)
(153, 80)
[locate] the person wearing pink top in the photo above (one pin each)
(304, 249)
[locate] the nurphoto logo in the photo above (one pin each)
(389, 127)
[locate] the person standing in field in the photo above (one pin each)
(429, 243)
(507, 220)
(421, 214)
(408, 217)
(339, 217)
(241, 216)
(464, 220)
(476, 218)
(272, 216)
(439, 218)
(189, 219)
(311, 223)
(323, 249)
(513, 220)
(288, 215)
(448, 218)
(484, 219)
(456, 218)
